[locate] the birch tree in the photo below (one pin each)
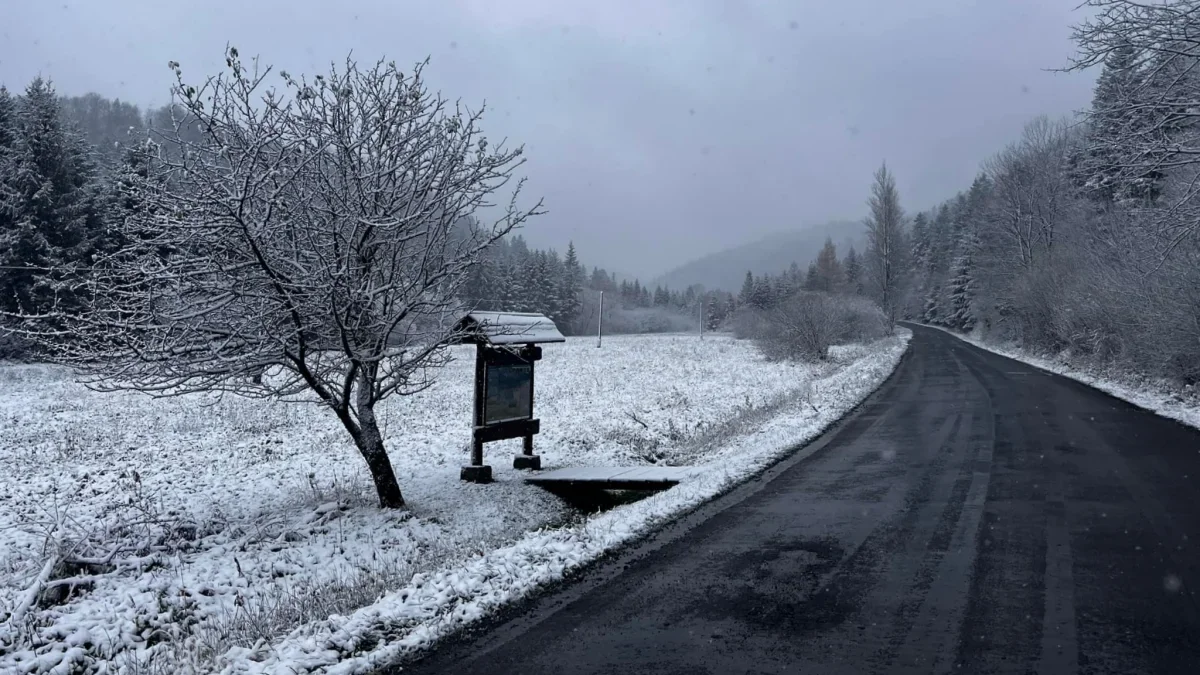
(883, 267)
(302, 246)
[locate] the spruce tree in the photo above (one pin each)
(931, 313)
(1111, 124)
(45, 248)
(963, 286)
(830, 275)
(853, 270)
(571, 287)
(8, 150)
(747, 293)
(812, 280)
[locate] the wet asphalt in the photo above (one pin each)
(974, 515)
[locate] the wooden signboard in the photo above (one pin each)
(505, 355)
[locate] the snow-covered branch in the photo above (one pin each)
(315, 240)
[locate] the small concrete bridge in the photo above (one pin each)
(589, 478)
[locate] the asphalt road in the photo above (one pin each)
(976, 515)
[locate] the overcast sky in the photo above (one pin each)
(657, 130)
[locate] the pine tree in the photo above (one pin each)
(537, 299)
(831, 277)
(1111, 124)
(599, 280)
(662, 297)
(8, 204)
(853, 270)
(552, 296)
(763, 296)
(689, 298)
(941, 237)
(8, 124)
(747, 293)
(46, 244)
(516, 294)
(962, 287)
(812, 280)
(920, 245)
(931, 313)
(572, 287)
(8, 150)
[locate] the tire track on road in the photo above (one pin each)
(929, 646)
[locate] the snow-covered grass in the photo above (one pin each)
(243, 534)
(1169, 399)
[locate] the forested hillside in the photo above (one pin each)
(770, 255)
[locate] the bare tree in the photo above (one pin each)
(315, 234)
(884, 268)
(1032, 190)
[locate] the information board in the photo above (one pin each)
(508, 393)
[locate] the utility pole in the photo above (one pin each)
(701, 317)
(600, 323)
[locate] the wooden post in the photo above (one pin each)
(476, 471)
(701, 317)
(600, 323)
(528, 460)
(480, 384)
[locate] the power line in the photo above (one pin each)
(44, 269)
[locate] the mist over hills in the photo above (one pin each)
(772, 254)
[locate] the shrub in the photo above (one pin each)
(13, 347)
(805, 325)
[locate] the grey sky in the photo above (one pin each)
(657, 130)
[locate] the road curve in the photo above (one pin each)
(975, 515)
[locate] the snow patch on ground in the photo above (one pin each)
(1159, 396)
(244, 533)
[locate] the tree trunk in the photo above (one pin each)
(370, 444)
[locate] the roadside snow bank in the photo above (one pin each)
(1158, 396)
(436, 604)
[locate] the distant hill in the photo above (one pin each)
(770, 255)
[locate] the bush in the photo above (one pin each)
(749, 323)
(13, 347)
(805, 325)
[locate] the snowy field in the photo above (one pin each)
(209, 534)
(1156, 395)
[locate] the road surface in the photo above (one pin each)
(976, 515)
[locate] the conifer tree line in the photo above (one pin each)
(1083, 236)
(827, 273)
(63, 162)
(66, 164)
(514, 277)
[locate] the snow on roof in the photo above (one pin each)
(507, 328)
